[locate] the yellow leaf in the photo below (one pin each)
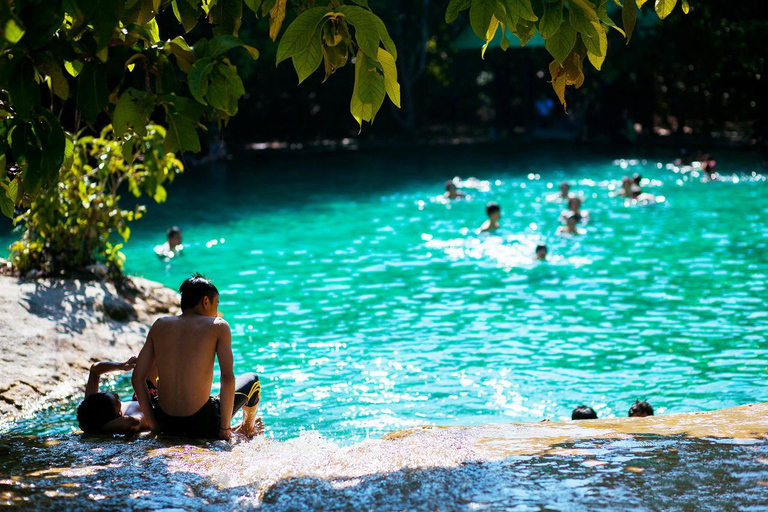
(587, 7)
(389, 68)
(597, 60)
(490, 33)
(640, 3)
(276, 18)
(686, 7)
(664, 7)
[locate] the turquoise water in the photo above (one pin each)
(365, 305)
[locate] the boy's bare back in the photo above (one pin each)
(185, 349)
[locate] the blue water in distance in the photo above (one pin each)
(366, 305)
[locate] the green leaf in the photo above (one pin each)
(389, 68)
(198, 79)
(220, 45)
(181, 135)
(103, 15)
(369, 90)
(664, 7)
(187, 14)
(185, 57)
(526, 11)
(306, 61)
(629, 17)
(480, 13)
(387, 41)
(132, 113)
(551, 19)
(454, 8)
(253, 5)
(597, 58)
(602, 15)
(299, 33)
(6, 203)
(53, 140)
(73, 68)
(218, 91)
(235, 86)
(92, 92)
(13, 31)
(226, 16)
(362, 3)
(23, 89)
(525, 30)
(48, 66)
(366, 28)
(140, 11)
(560, 44)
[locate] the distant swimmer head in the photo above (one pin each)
(640, 409)
(493, 210)
(541, 252)
(572, 220)
(637, 178)
(97, 410)
(583, 412)
(450, 186)
(174, 237)
(574, 203)
(564, 188)
(199, 293)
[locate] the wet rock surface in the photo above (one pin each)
(52, 330)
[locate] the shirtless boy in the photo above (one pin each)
(184, 348)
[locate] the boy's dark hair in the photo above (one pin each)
(492, 207)
(637, 178)
(94, 412)
(583, 412)
(173, 231)
(641, 409)
(194, 289)
(541, 247)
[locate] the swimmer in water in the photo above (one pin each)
(563, 195)
(626, 187)
(541, 252)
(172, 247)
(640, 409)
(571, 225)
(637, 179)
(642, 197)
(574, 206)
(451, 192)
(583, 412)
(494, 216)
(708, 166)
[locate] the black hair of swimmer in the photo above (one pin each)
(492, 207)
(583, 412)
(541, 247)
(640, 409)
(194, 289)
(95, 411)
(637, 178)
(174, 231)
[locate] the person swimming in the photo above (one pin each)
(574, 206)
(626, 187)
(494, 216)
(640, 409)
(563, 195)
(451, 192)
(541, 252)
(583, 412)
(571, 225)
(172, 247)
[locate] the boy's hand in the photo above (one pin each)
(225, 434)
(130, 364)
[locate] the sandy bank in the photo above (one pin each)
(51, 330)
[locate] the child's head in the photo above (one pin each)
(640, 409)
(583, 412)
(493, 210)
(541, 252)
(97, 410)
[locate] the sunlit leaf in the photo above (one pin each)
(560, 44)
(299, 33)
(664, 7)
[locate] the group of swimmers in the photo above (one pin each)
(640, 409)
(570, 218)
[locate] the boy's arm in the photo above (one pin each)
(122, 425)
(100, 368)
(227, 393)
(144, 365)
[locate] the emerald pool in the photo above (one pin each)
(366, 305)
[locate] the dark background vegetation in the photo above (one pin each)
(695, 80)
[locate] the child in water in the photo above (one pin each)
(494, 216)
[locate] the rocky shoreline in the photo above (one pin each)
(53, 329)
